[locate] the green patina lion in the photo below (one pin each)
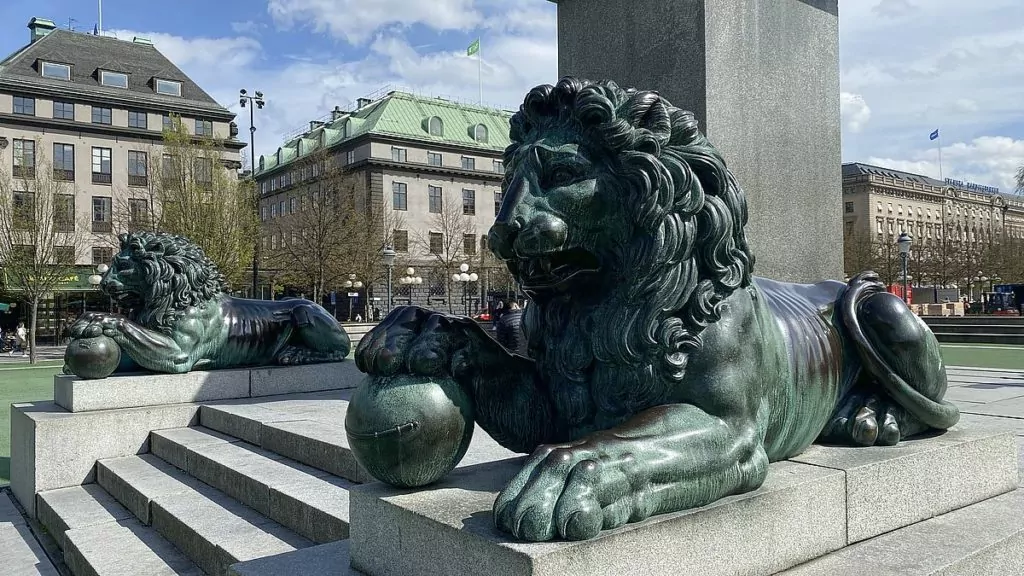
(661, 375)
(180, 319)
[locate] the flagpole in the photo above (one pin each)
(479, 71)
(939, 140)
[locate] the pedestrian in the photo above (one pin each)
(20, 340)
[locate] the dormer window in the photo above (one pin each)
(480, 133)
(113, 79)
(167, 87)
(56, 71)
(435, 127)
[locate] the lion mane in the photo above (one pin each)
(684, 254)
(171, 275)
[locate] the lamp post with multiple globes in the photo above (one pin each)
(410, 279)
(465, 277)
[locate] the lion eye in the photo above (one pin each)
(561, 176)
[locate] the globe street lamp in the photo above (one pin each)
(351, 283)
(904, 242)
(254, 102)
(465, 277)
(410, 279)
(388, 256)
(96, 279)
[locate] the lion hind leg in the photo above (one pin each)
(870, 419)
(319, 332)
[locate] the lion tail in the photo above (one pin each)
(936, 414)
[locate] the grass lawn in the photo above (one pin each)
(20, 383)
(984, 356)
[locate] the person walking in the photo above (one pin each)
(20, 340)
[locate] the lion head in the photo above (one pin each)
(622, 223)
(159, 276)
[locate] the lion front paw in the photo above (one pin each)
(567, 491)
(96, 324)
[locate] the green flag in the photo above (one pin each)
(473, 48)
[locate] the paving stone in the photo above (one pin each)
(984, 392)
(798, 514)
(20, 553)
(889, 487)
(323, 560)
(986, 538)
(124, 549)
(1011, 408)
(75, 508)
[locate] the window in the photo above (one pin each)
(24, 158)
(24, 210)
(204, 127)
(168, 122)
(848, 207)
(101, 165)
(497, 202)
(138, 119)
(469, 202)
(434, 199)
(102, 255)
(305, 202)
(273, 210)
(25, 105)
(436, 242)
(399, 196)
(64, 162)
(57, 71)
(64, 212)
(469, 244)
(138, 212)
(398, 154)
(434, 158)
(263, 213)
(435, 127)
(294, 205)
(138, 168)
(168, 87)
(350, 157)
(63, 110)
(401, 241)
(204, 173)
(468, 163)
(101, 207)
(480, 133)
(890, 207)
(499, 166)
(101, 115)
(283, 207)
(64, 255)
(273, 241)
(113, 79)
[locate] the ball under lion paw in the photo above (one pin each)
(409, 431)
(92, 358)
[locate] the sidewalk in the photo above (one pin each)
(42, 353)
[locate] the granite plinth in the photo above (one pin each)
(831, 498)
(145, 389)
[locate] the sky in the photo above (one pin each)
(908, 67)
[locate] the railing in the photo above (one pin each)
(64, 175)
(100, 178)
(102, 227)
(24, 172)
(139, 181)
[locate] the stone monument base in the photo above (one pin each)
(826, 499)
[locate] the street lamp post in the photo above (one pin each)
(410, 279)
(253, 102)
(388, 256)
(349, 284)
(96, 279)
(465, 277)
(904, 242)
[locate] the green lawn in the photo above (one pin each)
(20, 383)
(984, 355)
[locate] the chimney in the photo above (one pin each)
(314, 124)
(40, 27)
(336, 113)
(360, 102)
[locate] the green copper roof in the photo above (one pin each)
(402, 115)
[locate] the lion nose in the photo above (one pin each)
(545, 233)
(502, 237)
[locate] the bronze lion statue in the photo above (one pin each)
(179, 318)
(660, 374)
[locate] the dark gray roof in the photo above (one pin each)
(86, 54)
(859, 168)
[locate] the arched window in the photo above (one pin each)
(435, 127)
(480, 133)
(261, 162)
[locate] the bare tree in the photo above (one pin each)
(188, 191)
(860, 253)
(444, 241)
(41, 237)
(369, 229)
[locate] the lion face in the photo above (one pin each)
(123, 283)
(556, 220)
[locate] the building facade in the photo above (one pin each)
(960, 230)
(430, 168)
(94, 109)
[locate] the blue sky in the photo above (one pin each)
(908, 66)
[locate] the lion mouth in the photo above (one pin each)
(554, 269)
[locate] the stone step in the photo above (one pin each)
(984, 538)
(310, 428)
(307, 500)
(326, 559)
(212, 529)
(829, 499)
(99, 536)
(21, 553)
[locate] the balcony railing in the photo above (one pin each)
(141, 181)
(64, 175)
(102, 227)
(24, 171)
(100, 178)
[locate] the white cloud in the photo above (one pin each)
(246, 27)
(355, 21)
(893, 8)
(988, 160)
(854, 110)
